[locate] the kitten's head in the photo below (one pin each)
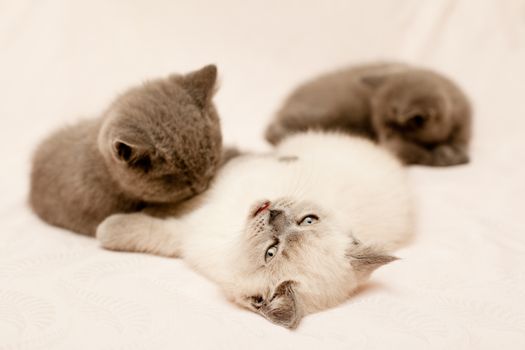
(413, 103)
(293, 260)
(162, 140)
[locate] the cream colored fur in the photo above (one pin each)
(357, 190)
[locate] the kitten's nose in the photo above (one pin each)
(199, 187)
(202, 187)
(274, 214)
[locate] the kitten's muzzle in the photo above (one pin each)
(199, 188)
(277, 219)
(274, 214)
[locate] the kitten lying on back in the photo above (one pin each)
(157, 143)
(421, 116)
(288, 234)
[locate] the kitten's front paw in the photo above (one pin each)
(112, 231)
(447, 155)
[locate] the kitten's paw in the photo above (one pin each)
(138, 232)
(114, 232)
(447, 155)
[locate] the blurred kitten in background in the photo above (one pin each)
(157, 143)
(419, 115)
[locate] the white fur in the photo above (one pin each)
(360, 189)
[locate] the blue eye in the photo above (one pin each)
(309, 220)
(270, 253)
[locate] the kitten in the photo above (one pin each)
(420, 115)
(286, 234)
(159, 142)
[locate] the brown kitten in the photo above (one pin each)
(421, 116)
(157, 143)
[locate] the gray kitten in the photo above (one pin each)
(420, 115)
(157, 143)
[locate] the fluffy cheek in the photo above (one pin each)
(132, 182)
(320, 294)
(324, 276)
(154, 191)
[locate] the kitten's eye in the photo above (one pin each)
(308, 220)
(143, 163)
(417, 120)
(270, 253)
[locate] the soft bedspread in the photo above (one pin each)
(460, 285)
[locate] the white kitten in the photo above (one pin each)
(288, 234)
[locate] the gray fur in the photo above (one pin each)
(365, 259)
(420, 115)
(157, 143)
(282, 307)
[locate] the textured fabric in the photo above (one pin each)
(460, 285)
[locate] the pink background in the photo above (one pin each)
(461, 285)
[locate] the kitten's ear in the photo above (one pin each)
(365, 259)
(200, 84)
(134, 156)
(282, 307)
